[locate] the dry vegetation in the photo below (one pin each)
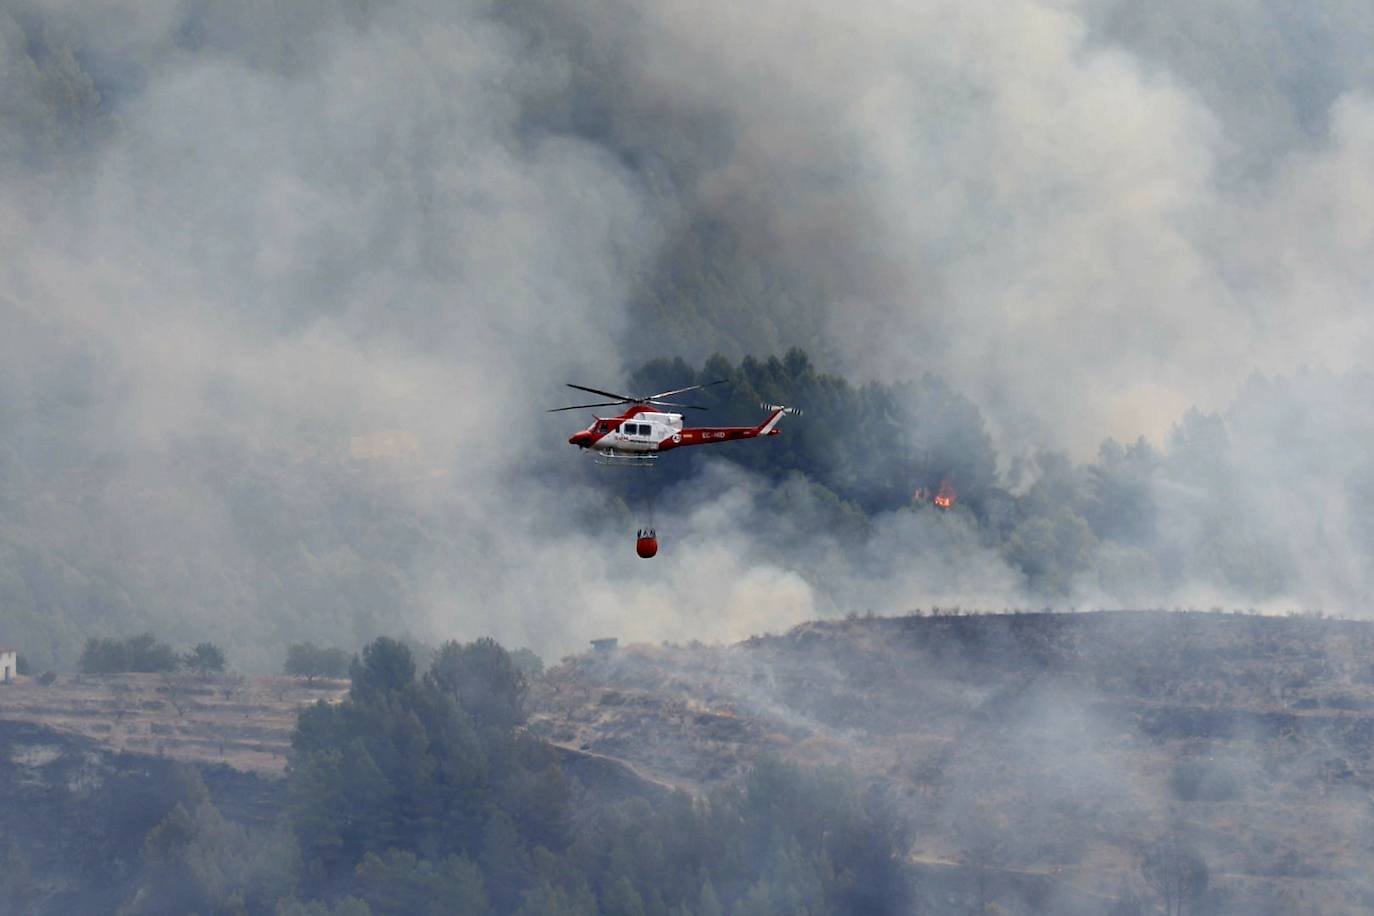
(1036, 755)
(243, 722)
(1036, 745)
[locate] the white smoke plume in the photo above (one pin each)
(286, 287)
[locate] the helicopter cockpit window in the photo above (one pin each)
(603, 427)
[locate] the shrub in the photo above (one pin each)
(205, 659)
(307, 660)
(143, 653)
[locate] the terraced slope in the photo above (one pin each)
(245, 723)
(1036, 756)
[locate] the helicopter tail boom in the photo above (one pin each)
(775, 413)
(708, 435)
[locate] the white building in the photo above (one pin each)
(9, 664)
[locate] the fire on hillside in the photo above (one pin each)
(942, 497)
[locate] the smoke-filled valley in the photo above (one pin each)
(1071, 295)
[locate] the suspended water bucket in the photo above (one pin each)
(646, 545)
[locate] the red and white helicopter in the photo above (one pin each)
(641, 434)
(638, 436)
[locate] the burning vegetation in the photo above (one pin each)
(942, 497)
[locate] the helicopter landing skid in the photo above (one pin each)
(625, 460)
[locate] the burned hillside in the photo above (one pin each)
(1051, 750)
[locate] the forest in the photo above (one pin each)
(1139, 519)
(422, 793)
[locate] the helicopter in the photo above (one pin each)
(638, 436)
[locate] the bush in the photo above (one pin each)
(527, 663)
(143, 653)
(104, 656)
(483, 679)
(307, 660)
(205, 659)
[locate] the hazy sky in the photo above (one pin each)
(244, 244)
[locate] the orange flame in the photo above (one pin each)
(944, 497)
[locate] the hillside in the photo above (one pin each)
(1036, 757)
(243, 722)
(1035, 746)
(76, 813)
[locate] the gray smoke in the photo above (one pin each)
(287, 286)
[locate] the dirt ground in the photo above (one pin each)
(243, 722)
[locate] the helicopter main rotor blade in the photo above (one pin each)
(664, 394)
(585, 406)
(605, 394)
(671, 404)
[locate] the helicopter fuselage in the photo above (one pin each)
(641, 430)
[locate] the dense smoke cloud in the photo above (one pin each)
(1061, 211)
(285, 287)
(275, 243)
